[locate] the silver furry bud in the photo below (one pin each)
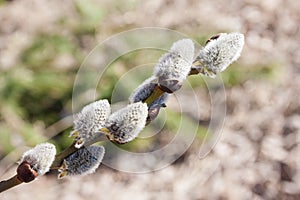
(219, 52)
(125, 124)
(84, 161)
(173, 67)
(88, 122)
(143, 91)
(36, 162)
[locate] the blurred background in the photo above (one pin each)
(43, 43)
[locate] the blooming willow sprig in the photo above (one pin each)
(88, 122)
(95, 121)
(125, 124)
(219, 52)
(173, 67)
(84, 161)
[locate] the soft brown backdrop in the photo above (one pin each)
(42, 43)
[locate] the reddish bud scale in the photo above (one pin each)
(25, 173)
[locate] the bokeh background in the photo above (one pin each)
(43, 43)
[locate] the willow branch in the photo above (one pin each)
(7, 184)
(157, 92)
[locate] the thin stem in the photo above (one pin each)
(157, 92)
(196, 68)
(60, 157)
(72, 149)
(7, 184)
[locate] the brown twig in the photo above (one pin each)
(157, 92)
(60, 157)
(7, 184)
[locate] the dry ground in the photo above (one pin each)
(258, 154)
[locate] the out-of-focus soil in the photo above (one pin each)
(258, 154)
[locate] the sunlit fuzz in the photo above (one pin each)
(174, 66)
(219, 52)
(36, 162)
(143, 91)
(84, 161)
(125, 124)
(87, 122)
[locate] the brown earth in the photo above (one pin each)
(258, 154)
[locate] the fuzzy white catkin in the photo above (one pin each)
(40, 157)
(176, 64)
(88, 122)
(219, 53)
(144, 90)
(184, 48)
(82, 162)
(125, 124)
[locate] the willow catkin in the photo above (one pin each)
(89, 120)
